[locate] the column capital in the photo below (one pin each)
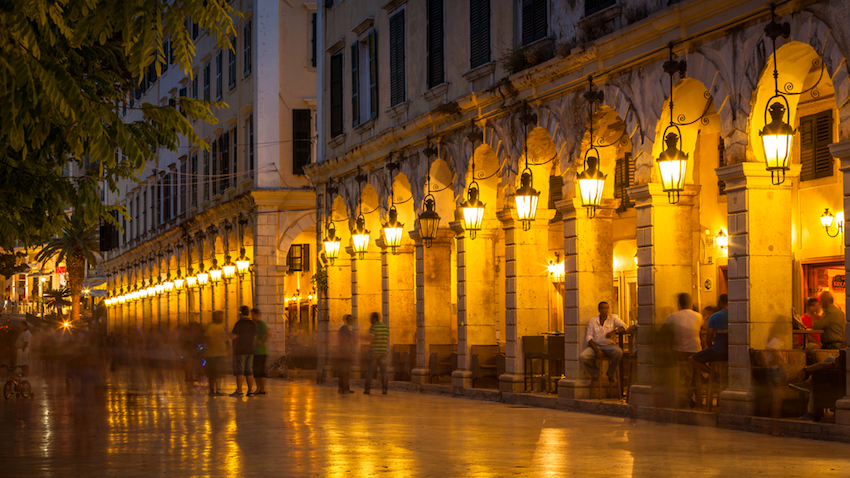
(443, 235)
(841, 151)
(488, 228)
(653, 194)
(402, 249)
(572, 208)
(753, 175)
(509, 217)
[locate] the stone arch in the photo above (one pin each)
(403, 193)
(487, 169)
(297, 222)
(611, 138)
(442, 188)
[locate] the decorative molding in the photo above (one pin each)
(393, 4)
(366, 24)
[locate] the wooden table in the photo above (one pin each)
(806, 333)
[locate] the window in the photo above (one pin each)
(171, 53)
(593, 6)
(183, 189)
(251, 144)
(231, 65)
(132, 222)
(479, 32)
(195, 179)
(721, 161)
(624, 176)
(246, 49)
(336, 94)
(214, 167)
(206, 175)
(533, 20)
(313, 42)
(436, 70)
(124, 228)
(207, 82)
(195, 87)
(166, 50)
(195, 30)
(140, 221)
(355, 84)
(815, 138)
(224, 161)
(218, 78)
(234, 161)
(166, 198)
(397, 94)
(301, 141)
(298, 258)
(144, 224)
(156, 204)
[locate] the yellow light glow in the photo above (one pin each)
(526, 200)
(393, 230)
(178, 283)
(722, 240)
(360, 237)
(473, 212)
(192, 281)
(673, 165)
(143, 293)
(229, 270)
(159, 288)
(242, 265)
(827, 219)
(168, 286)
(776, 139)
(215, 274)
(151, 291)
(556, 271)
(591, 184)
(203, 278)
(66, 324)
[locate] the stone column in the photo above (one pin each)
(433, 298)
(266, 295)
(841, 152)
(397, 294)
(665, 269)
(588, 280)
(365, 294)
(476, 287)
(526, 289)
(760, 272)
(334, 303)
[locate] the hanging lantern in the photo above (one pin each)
(526, 200)
(331, 245)
(673, 164)
(591, 183)
(151, 291)
(776, 136)
(722, 239)
(168, 286)
(228, 269)
(159, 288)
(203, 278)
(429, 221)
(215, 272)
(360, 237)
(192, 282)
(393, 230)
(473, 210)
(179, 281)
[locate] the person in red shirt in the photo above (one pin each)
(811, 315)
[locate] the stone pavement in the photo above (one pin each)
(137, 425)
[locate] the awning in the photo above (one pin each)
(94, 282)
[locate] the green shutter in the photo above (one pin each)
(301, 140)
(397, 80)
(355, 84)
(479, 32)
(436, 73)
(336, 95)
(815, 138)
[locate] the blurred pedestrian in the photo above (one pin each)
(346, 354)
(261, 352)
(22, 348)
(379, 334)
(243, 334)
(216, 352)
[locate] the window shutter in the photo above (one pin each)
(556, 193)
(624, 177)
(301, 140)
(593, 6)
(435, 43)
(313, 41)
(183, 190)
(373, 75)
(815, 138)
(397, 58)
(721, 161)
(533, 20)
(479, 28)
(540, 19)
(214, 167)
(336, 95)
(355, 84)
(224, 162)
(234, 160)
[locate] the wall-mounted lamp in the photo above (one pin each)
(722, 240)
(828, 220)
(556, 269)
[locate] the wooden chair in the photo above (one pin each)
(533, 347)
(556, 359)
(442, 361)
(716, 382)
(485, 362)
(605, 364)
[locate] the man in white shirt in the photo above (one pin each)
(22, 345)
(685, 324)
(600, 344)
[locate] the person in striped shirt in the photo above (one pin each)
(379, 334)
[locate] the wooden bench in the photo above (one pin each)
(487, 362)
(404, 360)
(442, 361)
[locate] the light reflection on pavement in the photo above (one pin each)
(138, 425)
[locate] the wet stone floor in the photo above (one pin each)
(134, 424)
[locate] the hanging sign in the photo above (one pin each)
(838, 282)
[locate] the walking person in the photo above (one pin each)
(379, 334)
(346, 354)
(261, 352)
(216, 352)
(243, 334)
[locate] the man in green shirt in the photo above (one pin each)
(261, 351)
(832, 322)
(380, 336)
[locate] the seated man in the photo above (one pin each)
(717, 340)
(831, 322)
(600, 332)
(804, 384)
(685, 324)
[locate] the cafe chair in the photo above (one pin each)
(534, 348)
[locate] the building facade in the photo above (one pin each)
(423, 100)
(196, 212)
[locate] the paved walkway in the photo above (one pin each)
(138, 426)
